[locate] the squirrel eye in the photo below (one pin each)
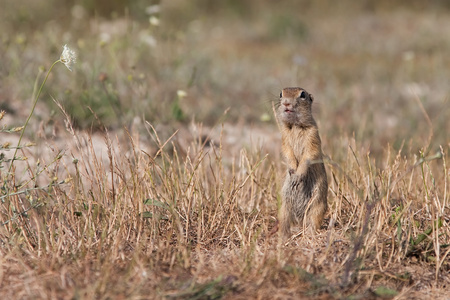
(281, 94)
(303, 95)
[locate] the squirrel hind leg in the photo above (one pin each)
(285, 221)
(317, 214)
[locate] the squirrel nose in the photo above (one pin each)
(286, 104)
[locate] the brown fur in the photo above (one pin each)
(305, 187)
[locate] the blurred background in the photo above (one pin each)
(379, 70)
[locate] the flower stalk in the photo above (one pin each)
(68, 58)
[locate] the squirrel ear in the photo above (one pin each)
(311, 97)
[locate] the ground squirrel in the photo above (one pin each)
(305, 186)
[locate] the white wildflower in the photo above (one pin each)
(152, 9)
(265, 117)
(68, 57)
(154, 21)
(181, 94)
(148, 39)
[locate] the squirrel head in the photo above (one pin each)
(294, 107)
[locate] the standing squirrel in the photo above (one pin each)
(305, 187)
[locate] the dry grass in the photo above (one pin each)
(198, 225)
(172, 201)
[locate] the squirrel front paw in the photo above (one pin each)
(291, 172)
